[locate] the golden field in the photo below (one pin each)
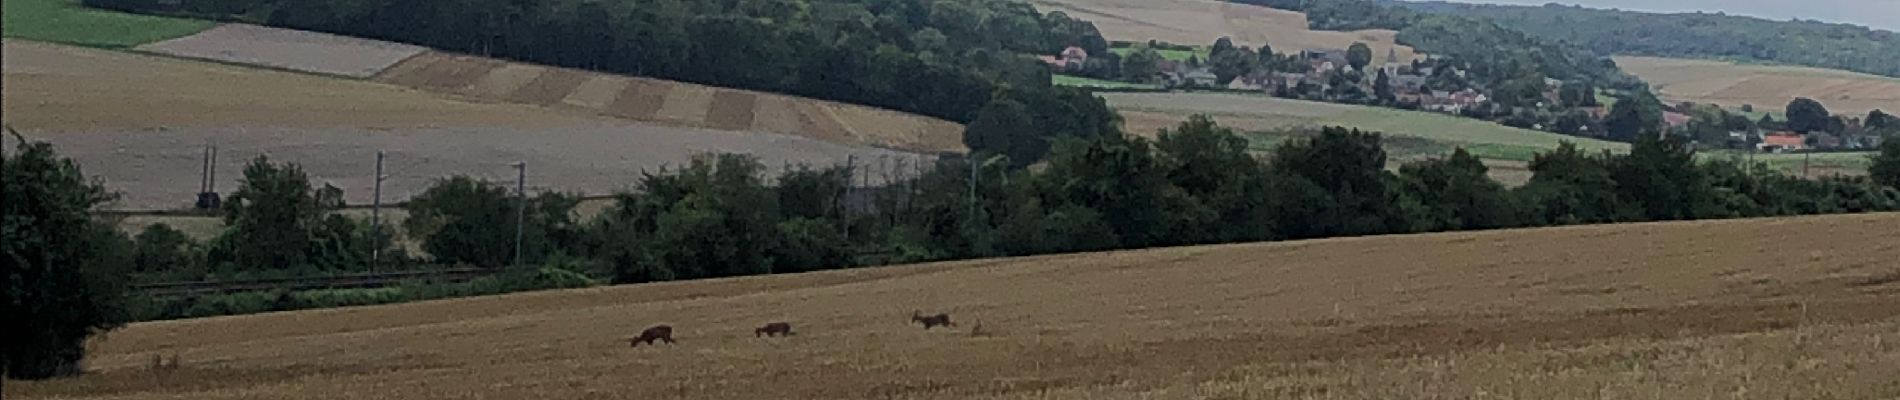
(1200, 22)
(1801, 308)
(1766, 87)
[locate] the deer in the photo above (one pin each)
(932, 321)
(658, 332)
(773, 329)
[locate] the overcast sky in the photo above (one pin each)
(1879, 14)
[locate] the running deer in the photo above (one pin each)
(773, 329)
(659, 332)
(932, 321)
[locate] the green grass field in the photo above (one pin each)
(66, 21)
(1078, 81)
(1176, 55)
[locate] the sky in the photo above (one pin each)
(1878, 14)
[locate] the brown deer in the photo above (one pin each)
(932, 321)
(658, 332)
(773, 329)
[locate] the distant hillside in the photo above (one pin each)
(1698, 35)
(1495, 53)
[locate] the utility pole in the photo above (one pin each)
(1805, 157)
(844, 203)
(375, 217)
(521, 208)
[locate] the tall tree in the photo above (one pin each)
(1636, 116)
(1806, 115)
(64, 272)
(1886, 168)
(270, 217)
(1359, 56)
(1141, 65)
(1382, 87)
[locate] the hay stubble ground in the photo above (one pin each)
(1774, 308)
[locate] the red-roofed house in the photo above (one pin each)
(1675, 119)
(1782, 142)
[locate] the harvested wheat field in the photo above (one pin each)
(1199, 22)
(1800, 308)
(673, 103)
(1766, 87)
(294, 50)
(64, 88)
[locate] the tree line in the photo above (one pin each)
(959, 60)
(1694, 35)
(718, 216)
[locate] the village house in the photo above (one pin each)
(1453, 102)
(1071, 59)
(1782, 142)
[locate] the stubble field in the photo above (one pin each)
(1200, 22)
(1798, 308)
(140, 124)
(1766, 87)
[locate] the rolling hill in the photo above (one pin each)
(1662, 310)
(1199, 22)
(1766, 87)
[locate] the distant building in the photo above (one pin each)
(1675, 119)
(1780, 142)
(1071, 59)
(1201, 77)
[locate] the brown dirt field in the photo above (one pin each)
(640, 100)
(674, 103)
(731, 110)
(1766, 87)
(53, 88)
(502, 82)
(439, 72)
(549, 88)
(294, 50)
(597, 92)
(1801, 308)
(1200, 22)
(686, 105)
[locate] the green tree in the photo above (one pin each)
(160, 248)
(1639, 115)
(464, 220)
(1215, 167)
(1886, 168)
(1660, 177)
(1005, 127)
(1334, 184)
(1806, 115)
(1359, 56)
(1456, 194)
(1570, 187)
(1141, 65)
(1881, 121)
(269, 218)
(1229, 62)
(713, 218)
(64, 272)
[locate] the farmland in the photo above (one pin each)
(1078, 81)
(1662, 310)
(1411, 134)
(1199, 22)
(1766, 87)
(139, 122)
(65, 21)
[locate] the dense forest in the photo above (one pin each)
(1693, 35)
(957, 60)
